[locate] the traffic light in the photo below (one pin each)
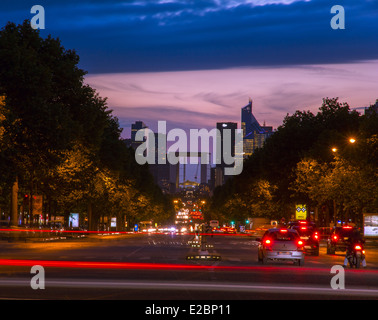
(26, 200)
(247, 221)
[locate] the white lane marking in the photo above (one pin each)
(71, 283)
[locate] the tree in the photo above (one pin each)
(297, 160)
(59, 139)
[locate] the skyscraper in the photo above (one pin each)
(161, 171)
(222, 152)
(254, 135)
(135, 127)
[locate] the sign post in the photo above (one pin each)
(300, 212)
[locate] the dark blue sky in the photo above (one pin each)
(193, 63)
(141, 36)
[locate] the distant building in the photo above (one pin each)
(216, 177)
(161, 171)
(372, 109)
(220, 177)
(135, 127)
(254, 135)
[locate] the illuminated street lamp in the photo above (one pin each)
(334, 149)
(352, 140)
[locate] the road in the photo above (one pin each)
(155, 267)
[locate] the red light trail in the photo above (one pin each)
(158, 266)
(121, 232)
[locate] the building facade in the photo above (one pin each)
(254, 135)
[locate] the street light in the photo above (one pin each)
(334, 150)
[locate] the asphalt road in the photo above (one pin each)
(155, 267)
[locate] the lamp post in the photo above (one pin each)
(335, 150)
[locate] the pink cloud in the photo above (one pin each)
(199, 99)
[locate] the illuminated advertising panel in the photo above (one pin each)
(300, 212)
(371, 225)
(73, 220)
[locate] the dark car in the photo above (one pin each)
(308, 234)
(338, 240)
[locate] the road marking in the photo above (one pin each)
(169, 285)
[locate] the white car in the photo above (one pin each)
(281, 244)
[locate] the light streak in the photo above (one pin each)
(120, 232)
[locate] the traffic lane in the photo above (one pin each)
(223, 283)
(155, 291)
(243, 249)
(259, 279)
(234, 250)
(138, 247)
(274, 272)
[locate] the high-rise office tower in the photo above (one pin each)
(223, 153)
(135, 127)
(161, 171)
(254, 135)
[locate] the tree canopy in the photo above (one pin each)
(297, 165)
(59, 139)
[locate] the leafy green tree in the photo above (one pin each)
(297, 160)
(58, 137)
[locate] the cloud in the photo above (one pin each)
(142, 36)
(199, 99)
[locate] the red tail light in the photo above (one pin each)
(335, 237)
(300, 243)
(268, 244)
(316, 236)
(303, 228)
(358, 247)
(283, 230)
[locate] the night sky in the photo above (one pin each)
(193, 63)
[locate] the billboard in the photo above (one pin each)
(300, 212)
(37, 205)
(73, 220)
(371, 225)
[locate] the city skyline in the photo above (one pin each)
(159, 96)
(169, 150)
(194, 64)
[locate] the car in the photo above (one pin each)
(309, 235)
(338, 240)
(281, 244)
(228, 230)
